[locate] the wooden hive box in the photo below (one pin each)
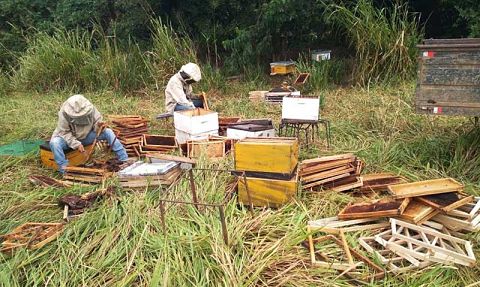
(214, 148)
(195, 121)
(267, 192)
(264, 156)
(282, 68)
(74, 157)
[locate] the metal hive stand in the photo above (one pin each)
(291, 127)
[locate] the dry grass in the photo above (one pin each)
(120, 242)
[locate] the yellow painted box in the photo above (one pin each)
(267, 192)
(267, 155)
(282, 68)
(74, 157)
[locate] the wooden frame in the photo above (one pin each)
(345, 187)
(457, 224)
(32, 235)
(380, 181)
(418, 212)
(396, 264)
(427, 187)
(470, 211)
(83, 174)
(301, 78)
(446, 201)
(333, 225)
(350, 254)
(441, 247)
(375, 209)
(151, 142)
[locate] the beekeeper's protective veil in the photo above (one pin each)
(191, 73)
(78, 110)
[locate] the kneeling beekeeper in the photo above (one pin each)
(78, 123)
(178, 94)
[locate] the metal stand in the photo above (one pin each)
(290, 127)
(219, 206)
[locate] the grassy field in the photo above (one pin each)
(120, 242)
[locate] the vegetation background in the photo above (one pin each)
(121, 53)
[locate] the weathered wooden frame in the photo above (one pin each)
(375, 214)
(442, 247)
(17, 238)
(333, 225)
(350, 254)
(397, 264)
(426, 187)
(444, 208)
(418, 216)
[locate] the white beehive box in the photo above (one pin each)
(300, 108)
(195, 121)
(182, 137)
(241, 134)
(321, 55)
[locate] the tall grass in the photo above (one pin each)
(323, 74)
(87, 61)
(384, 40)
(169, 51)
(64, 60)
(4, 84)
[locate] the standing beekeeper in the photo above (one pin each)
(78, 123)
(178, 94)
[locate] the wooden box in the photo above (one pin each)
(211, 147)
(182, 137)
(267, 192)
(300, 108)
(267, 155)
(158, 143)
(282, 68)
(241, 134)
(74, 157)
(195, 121)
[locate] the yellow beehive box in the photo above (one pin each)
(267, 192)
(74, 157)
(267, 155)
(282, 68)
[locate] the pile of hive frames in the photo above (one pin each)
(338, 172)
(87, 175)
(426, 221)
(129, 130)
(31, 235)
(270, 166)
(157, 144)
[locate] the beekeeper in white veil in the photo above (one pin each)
(178, 94)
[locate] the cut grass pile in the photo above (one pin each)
(120, 241)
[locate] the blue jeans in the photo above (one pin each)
(58, 146)
(196, 103)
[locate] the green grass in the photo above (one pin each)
(120, 241)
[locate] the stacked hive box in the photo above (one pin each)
(251, 128)
(129, 130)
(270, 166)
(194, 125)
